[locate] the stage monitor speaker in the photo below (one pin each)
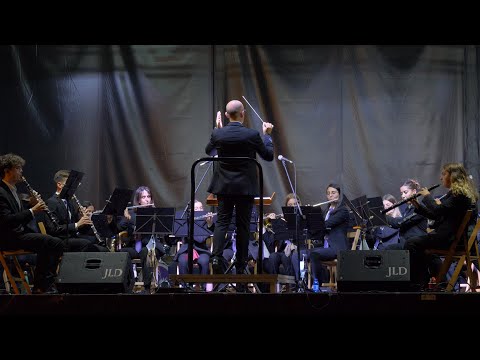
(373, 270)
(95, 273)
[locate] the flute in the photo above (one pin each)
(204, 216)
(414, 196)
(139, 206)
(323, 203)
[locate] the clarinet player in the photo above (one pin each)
(15, 232)
(72, 222)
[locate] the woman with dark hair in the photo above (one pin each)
(385, 236)
(448, 213)
(201, 253)
(410, 223)
(280, 250)
(142, 197)
(336, 224)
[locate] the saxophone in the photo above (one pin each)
(80, 207)
(37, 196)
(153, 262)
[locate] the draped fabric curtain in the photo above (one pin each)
(365, 117)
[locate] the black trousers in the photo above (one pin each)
(243, 210)
(48, 250)
(420, 262)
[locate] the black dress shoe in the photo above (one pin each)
(217, 265)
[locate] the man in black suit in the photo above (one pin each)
(15, 234)
(72, 222)
(235, 182)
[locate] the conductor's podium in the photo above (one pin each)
(271, 279)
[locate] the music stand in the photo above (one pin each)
(312, 221)
(154, 221)
(359, 220)
(101, 224)
(71, 185)
(361, 204)
(280, 231)
(180, 226)
(375, 207)
(311, 224)
(68, 190)
(296, 224)
(117, 202)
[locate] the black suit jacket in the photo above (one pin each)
(56, 206)
(410, 223)
(13, 219)
(448, 216)
(239, 177)
(337, 228)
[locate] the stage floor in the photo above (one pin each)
(167, 304)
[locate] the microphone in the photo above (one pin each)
(283, 158)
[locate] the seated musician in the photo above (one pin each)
(384, 236)
(409, 223)
(142, 197)
(448, 214)
(201, 253)
(336, 224)
(280, 259)
(73, 223)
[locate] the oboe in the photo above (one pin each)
(37, 196)
(80, 207)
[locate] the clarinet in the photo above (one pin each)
(80, 207)
(37, 196)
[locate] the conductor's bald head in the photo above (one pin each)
(235, 111)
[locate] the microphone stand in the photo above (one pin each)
(187, 208)
(298, 211)
(200, 183)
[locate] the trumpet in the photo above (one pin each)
(84, 213)
(37, 196)
(267, 218)
(139, 206)
(414, 196)
(267, 222)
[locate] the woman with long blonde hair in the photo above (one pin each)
(448, 214)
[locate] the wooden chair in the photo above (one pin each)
(332, 264)
(4, 254)
(459, 250)
(13, 254)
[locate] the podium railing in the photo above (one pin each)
(231, 159)
(267, 200)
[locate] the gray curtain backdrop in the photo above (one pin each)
(365, 117)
